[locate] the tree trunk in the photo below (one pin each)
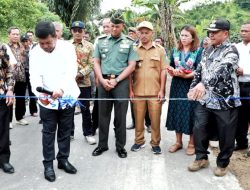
(166, 19)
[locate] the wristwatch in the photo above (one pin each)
(117, 79)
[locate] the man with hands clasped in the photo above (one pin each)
(114, 61)
(148, 83)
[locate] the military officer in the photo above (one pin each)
(114, 61)
(148, 82)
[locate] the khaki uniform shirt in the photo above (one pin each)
(84, 51)
(114, 53)
(147, 74)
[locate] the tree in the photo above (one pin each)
(71, 10)
(165, 11)
(23, 14)
(245, 4)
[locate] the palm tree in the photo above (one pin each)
(71, 10)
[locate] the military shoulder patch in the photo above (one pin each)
(130, 38)
(102, 36)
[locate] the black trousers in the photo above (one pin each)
(226, 122)
(95, 113)
(244, 114)
(87, 126)
(4, 132)
(147, 119)
(120, 112)
(33, 100)
(19, 90)
(51, 120)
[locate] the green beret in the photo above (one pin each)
(117, 18)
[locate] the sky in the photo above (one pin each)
(107, 5)
(119, 4)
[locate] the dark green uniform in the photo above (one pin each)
(114, 54)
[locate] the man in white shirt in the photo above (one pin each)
(53, 66)
(244, 81)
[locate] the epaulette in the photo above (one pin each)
(130, 38)
(102, 36)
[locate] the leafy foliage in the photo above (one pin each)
(202, 15)
(23, 14)
(72, 10)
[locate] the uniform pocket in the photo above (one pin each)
(123, 54)
(104, 51)
(154, 61)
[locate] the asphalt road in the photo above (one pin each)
(141, 171)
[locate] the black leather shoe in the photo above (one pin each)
(237, 147)
(67, 166)
(98, 151)
(49, 173)
(122, 153)
(7, 168)
(132, 126)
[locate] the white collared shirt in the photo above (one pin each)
(55, 70)
(244, 61)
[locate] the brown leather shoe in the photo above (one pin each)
(198, 164)
(219, 172)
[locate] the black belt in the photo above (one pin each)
(244, 84)
(110, 76)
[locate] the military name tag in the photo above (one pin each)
(124, 46)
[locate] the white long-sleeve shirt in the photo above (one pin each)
(55, 70)
(244, 61)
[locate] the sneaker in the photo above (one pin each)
(90, 139)
(156, 150)
(219, 172)
(137, 147)
(77, 110)
(149, 129)
(10, 126)
(198, 164)
(22, 122)
(34, 115)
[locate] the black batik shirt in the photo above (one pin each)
(217, 71)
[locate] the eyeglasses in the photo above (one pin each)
(75, 30)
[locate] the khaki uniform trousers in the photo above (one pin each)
(154, 108)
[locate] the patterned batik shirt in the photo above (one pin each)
(21, 55)
(84, 51)
(6, 77)
(217, 71)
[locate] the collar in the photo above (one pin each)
(11, 44)
(223, 44)
(153, 45)
(122, 37)
(82, 42)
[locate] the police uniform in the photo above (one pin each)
(114, 54)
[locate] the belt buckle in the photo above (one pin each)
(112, 76)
